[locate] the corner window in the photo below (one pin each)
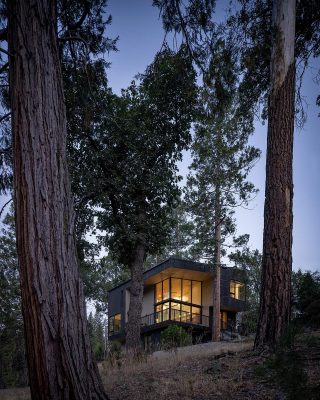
(114, 324)
(237, 290)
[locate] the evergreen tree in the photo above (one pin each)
(221, 162)
(13, 365)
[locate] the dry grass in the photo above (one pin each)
(212, 371)
(15, 394)
(228, 371)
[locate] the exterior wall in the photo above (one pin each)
(207, 296)
(148, 301)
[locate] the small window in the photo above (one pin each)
(237, 290)
(114, 324)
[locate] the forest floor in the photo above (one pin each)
(226, 370)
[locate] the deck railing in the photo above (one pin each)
(175, 315)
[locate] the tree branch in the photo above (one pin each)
(5, 116)
(4, 206)
(5, 52)
(78, 24)
(4, 67)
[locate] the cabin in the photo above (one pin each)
(178, 292)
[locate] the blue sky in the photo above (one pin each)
(140, 37)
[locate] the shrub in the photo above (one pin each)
(175, 336)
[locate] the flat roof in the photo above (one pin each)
(174, 263)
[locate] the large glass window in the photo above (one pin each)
(166, 289)
(114, 324)
(237, 290)
(176, 288)
(186, 290)
(186, 306)
(196, 292)
(158, 292)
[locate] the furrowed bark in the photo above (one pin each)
(274, 314)
(133, 328)
(60, 360)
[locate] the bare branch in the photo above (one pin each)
(4, 67)
(5, 116)
(4, 206)
(78, 24)
(5, 52)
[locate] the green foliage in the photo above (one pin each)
(97, 335)
(13, 367)
(222, 158)
(306, 297)
(252, 32)
(286, 366)
(175, 336)
(123, 153)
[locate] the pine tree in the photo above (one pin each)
(13, 371)
(222, 160)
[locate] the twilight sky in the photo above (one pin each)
(140, 37)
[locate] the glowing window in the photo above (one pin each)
(114, 324)
(186, 291)
(158, 292)
(166, 289)
(237, 290)
(196, 292)
(176, 289)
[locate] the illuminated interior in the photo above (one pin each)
(237, 290)
(178, 299)
(114, 324)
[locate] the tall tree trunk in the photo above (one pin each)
(216, 280)
(59, 355)
(133, 328)
(277, 240)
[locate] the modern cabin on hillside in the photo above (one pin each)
(178, 292)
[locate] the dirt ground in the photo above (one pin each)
(228, 371)
(220, 371)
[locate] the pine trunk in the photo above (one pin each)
(217, 272)
(274, 312)
(59, 355)
(133, 328)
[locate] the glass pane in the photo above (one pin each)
(196, 315)
(158, 316)
(158, 292)
(166, 289)
(117, 323)
(196, 292)
(232, 289)
(224, 319)
(185, 313)
(186, 290)
(165, 313)
(175, 311)
(176, 288)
